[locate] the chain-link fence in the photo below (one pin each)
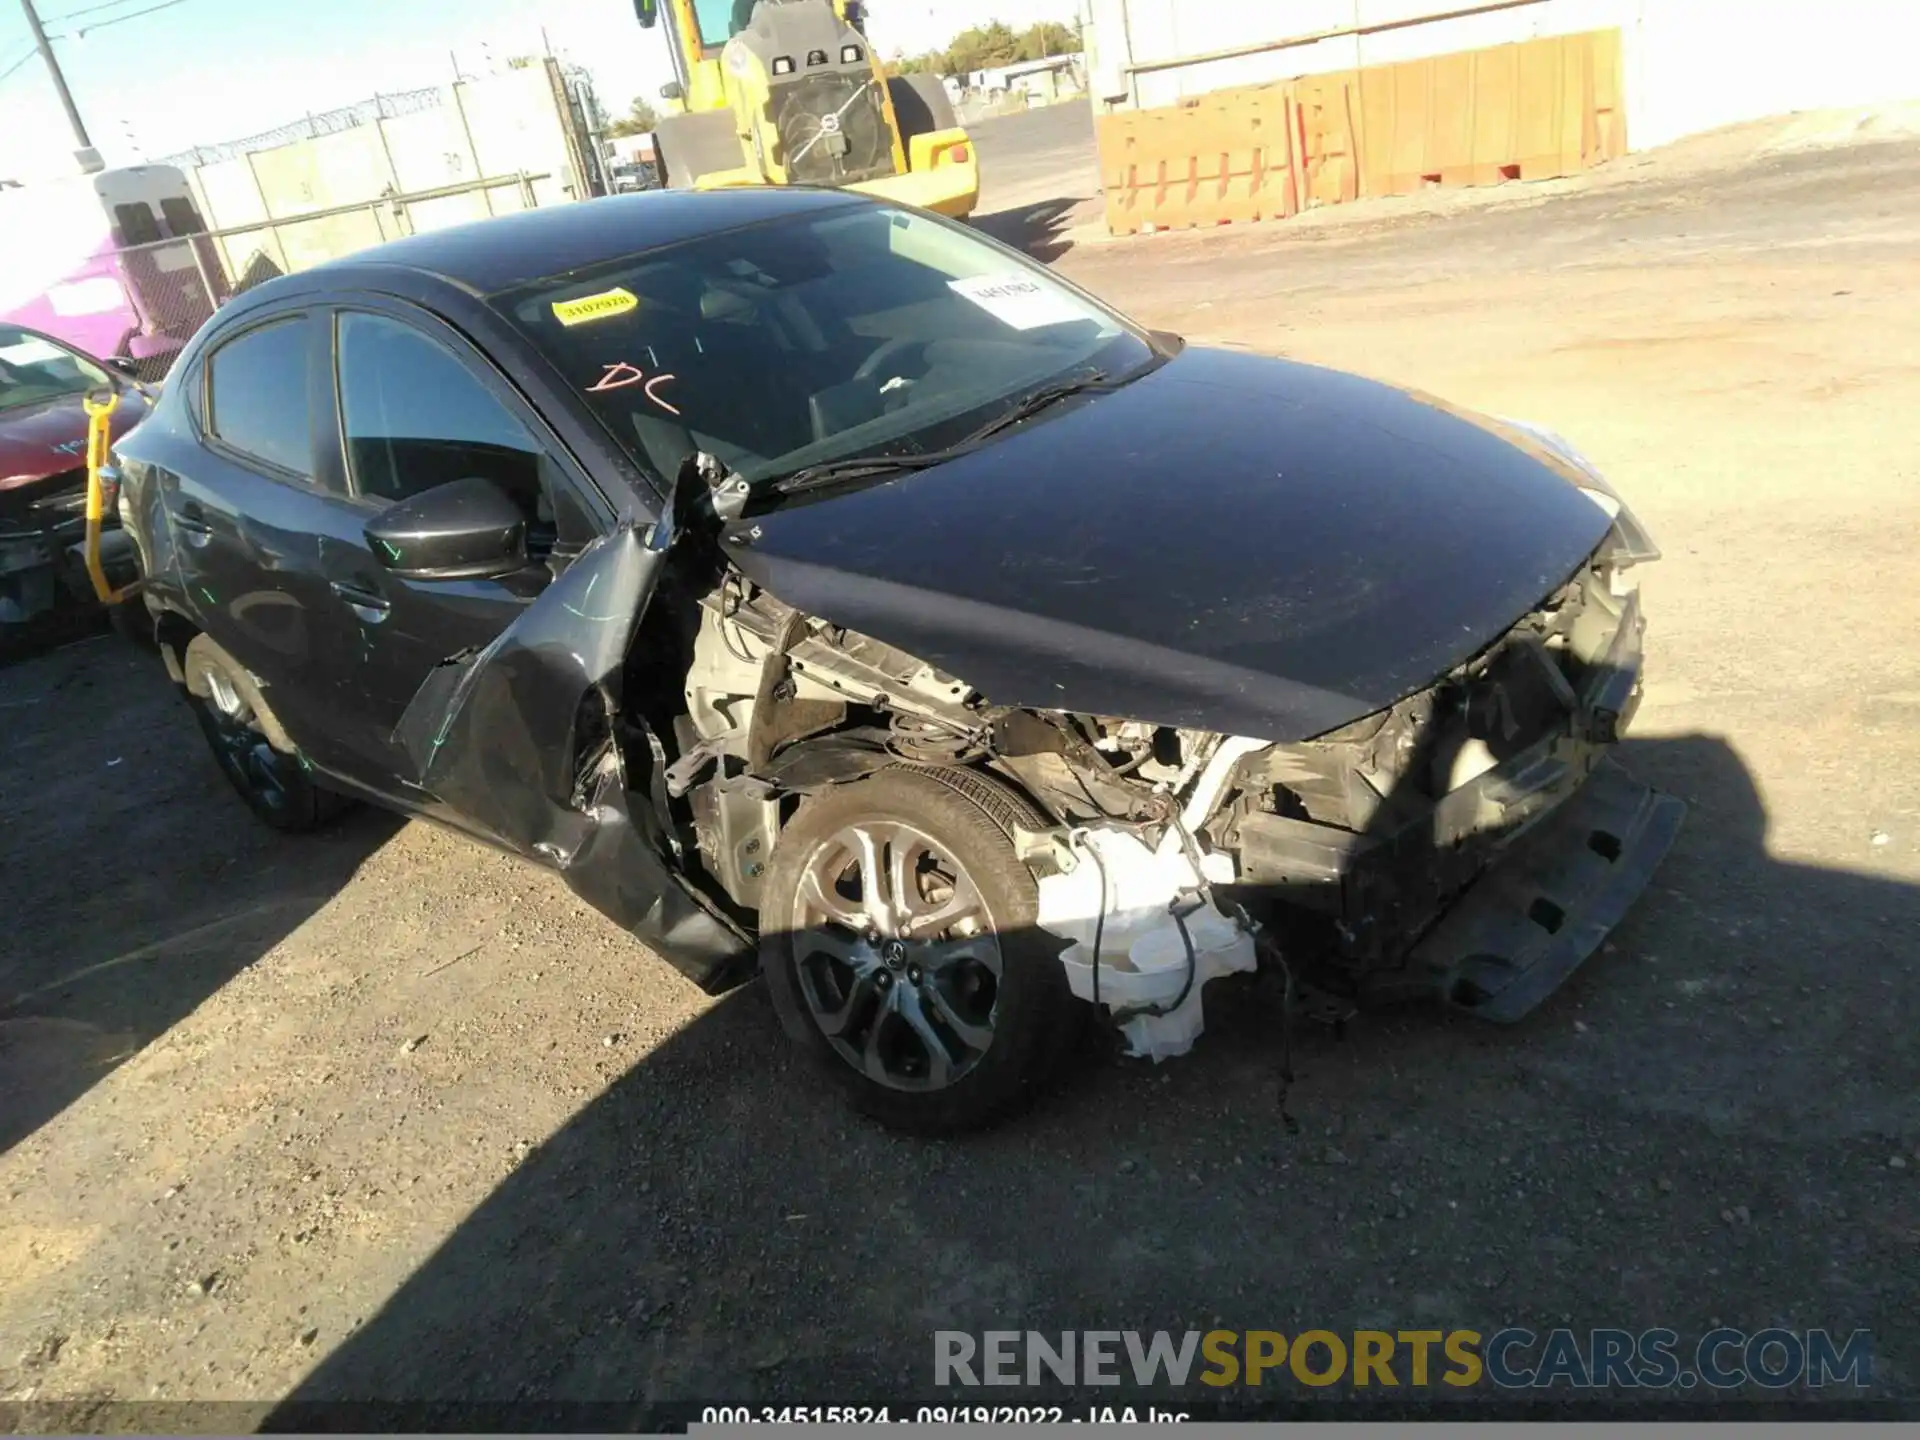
(176, 285)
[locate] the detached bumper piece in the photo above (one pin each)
(1548, 902)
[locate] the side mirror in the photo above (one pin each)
(463, 530)
(647, 12)
(672, 90)
(1168, 342)
(124, 364)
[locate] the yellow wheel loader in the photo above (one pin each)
(789, 92)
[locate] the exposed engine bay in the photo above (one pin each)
(1167, 856)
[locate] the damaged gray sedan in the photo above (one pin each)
(828, 592)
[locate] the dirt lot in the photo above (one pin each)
(382, 1116)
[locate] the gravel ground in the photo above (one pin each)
(378, 1115)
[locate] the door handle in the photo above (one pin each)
(191, 521)
(370, 605)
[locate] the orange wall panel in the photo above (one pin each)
(1530, 110)
(1498, 106)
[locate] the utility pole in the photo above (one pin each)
(59, 80)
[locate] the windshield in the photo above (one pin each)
(34, 368)
(863, 331)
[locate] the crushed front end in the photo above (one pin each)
(1476, 840)
(1472, 841)
(43, 526)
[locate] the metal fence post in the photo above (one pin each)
(206, 281)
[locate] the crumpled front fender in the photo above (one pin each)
(520, 741)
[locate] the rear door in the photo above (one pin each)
(248, 511)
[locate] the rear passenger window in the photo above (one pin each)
(258, 394)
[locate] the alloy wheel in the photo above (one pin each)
(896, 955)
(241, 746)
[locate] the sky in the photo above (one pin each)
(206, 71)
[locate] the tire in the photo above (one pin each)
(921, 106)
(249, 746)
(890, 1004)
(685, 147)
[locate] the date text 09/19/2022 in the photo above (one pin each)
(938, 1415)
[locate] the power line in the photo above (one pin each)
(90, 9)
(18, 63)
(84, 30)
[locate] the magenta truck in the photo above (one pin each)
(116, 263)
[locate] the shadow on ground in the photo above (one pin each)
(1042, 230)
(136, 883)
(716, 1228)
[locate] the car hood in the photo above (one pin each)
(50, 438)
(1232, 543)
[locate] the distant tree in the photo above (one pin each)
(639, 120)
(988, 46)
(983, 47)
(522, 62)
(1049, 37)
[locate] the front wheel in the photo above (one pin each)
(899, 943)
(685, 147)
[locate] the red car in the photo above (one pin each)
(43, 478)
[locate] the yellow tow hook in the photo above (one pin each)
(99, 445)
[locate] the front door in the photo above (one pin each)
(498, 705)
(417, 408)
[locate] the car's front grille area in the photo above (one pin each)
(832, 128)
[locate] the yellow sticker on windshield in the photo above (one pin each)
(588, 308)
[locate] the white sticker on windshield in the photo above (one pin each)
(1019, 301)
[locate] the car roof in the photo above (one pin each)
(486, 256)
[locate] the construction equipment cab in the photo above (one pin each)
(789, 92)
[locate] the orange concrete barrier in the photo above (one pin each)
(1526, 111)
(1226, 157)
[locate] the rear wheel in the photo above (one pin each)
(241, 731)
(900, 947)
(921, 105)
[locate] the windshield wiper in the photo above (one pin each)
(1024, 409)
(854, 466)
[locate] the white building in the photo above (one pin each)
(1041, 81)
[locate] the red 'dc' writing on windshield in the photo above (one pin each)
(620, 375)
